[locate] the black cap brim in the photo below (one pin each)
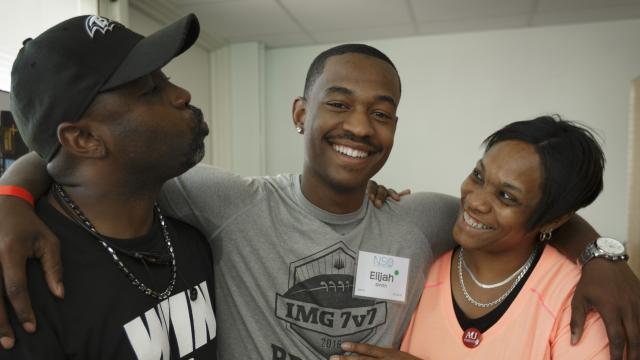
(155, 51)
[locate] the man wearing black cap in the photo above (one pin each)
(89, 97)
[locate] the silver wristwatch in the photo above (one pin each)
(606, 248)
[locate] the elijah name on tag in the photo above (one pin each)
(380, 276)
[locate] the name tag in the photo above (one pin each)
(381, 276)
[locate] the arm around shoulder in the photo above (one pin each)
(47, 342)
(435, 214)
(609, 287)
(573, 237)
(23, 235)
(592, 345)
(207, 195)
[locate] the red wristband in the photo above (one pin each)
(17, 191)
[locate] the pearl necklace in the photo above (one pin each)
(523, 270)
(81, 219)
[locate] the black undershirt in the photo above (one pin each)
(486, 321)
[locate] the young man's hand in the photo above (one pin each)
(368, 352)
(378, 194)
(613, 290)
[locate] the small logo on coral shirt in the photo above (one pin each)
(471, 337)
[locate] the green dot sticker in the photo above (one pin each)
(396, 272)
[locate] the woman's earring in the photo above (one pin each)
(545, 236)
(299, 129)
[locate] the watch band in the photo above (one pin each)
(593, 251)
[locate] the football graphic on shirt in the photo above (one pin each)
(319, 307)
(333, 291)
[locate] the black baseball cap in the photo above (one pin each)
(57, 75)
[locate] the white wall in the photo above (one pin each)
(457, 89)
(28, 18)
(190, 70)
(238, 99)
(4, 100)
(247, 118)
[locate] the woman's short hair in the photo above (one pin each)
(572, 164)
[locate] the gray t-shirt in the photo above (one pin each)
(284, 269)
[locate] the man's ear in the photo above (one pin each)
(554, 224)
(81, 139)
(299, 112)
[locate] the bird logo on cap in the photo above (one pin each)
(97, 23)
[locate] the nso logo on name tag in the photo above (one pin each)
(381, 276)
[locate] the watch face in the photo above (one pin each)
(610, 246)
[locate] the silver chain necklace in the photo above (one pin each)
(87, 225)
(489, 286)
(476, 303)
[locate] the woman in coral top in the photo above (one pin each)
(503, 294)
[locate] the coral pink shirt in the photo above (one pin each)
(535, 326)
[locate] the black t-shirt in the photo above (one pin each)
(103, 316)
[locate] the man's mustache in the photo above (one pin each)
(197, 113)
(199, 118)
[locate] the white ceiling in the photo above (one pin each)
(280, 23)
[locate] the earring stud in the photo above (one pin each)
(299, 129)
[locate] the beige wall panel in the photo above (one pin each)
(634, 179)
